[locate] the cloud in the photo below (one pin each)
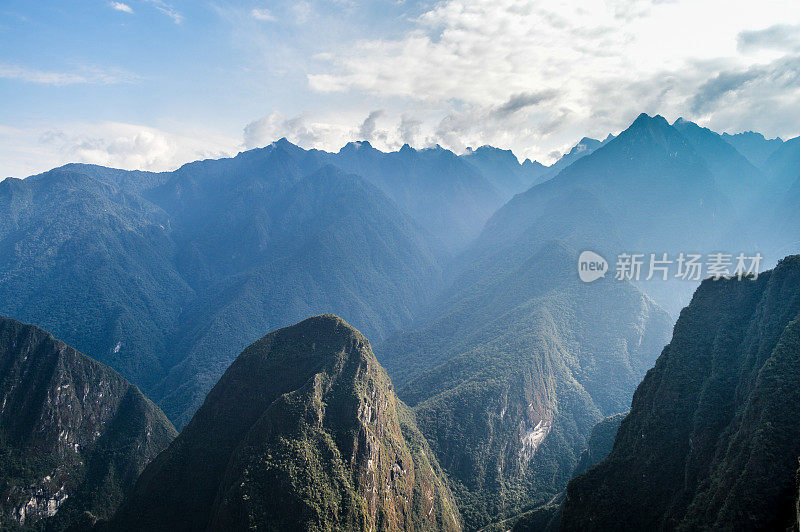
(710, 92)
(119, 145)
(84, 75)
(535, 77)
(119, 6)
(765, 97)
(367, 129)
(274, 126)
(522, 100)
(778, 37)
(261, 14)
(409, 129)
(302, 12)
(167, 9)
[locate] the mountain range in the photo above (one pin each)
(511, 373)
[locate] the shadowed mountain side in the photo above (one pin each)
(711, 441)
(167, 276)
(74, 435)
(357, 254)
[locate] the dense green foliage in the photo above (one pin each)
(166, 276)
(517, 349)
(303, 431)
(712, 438)
(74, 435)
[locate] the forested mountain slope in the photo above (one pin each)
(303, 431)
(712, 439)
(74, 435)
(167, 276)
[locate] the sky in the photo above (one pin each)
(153, 84)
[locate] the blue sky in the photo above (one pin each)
(154, 83)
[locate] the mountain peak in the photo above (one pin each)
(654, 127)
(306, 409)
(356, 145)
(527, 163)
(652, 121)
(284, 143)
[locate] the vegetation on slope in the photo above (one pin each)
(302, 431)
(74, 435)
(711, 441)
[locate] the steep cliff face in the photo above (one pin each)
(74, 434)
(712, 439)
(303, 431)
(600, 444)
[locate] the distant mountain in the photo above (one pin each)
(742, 182)
(646, 191)
(600, 443)
(313, 243)
(754, 146)
(167, 276)
(515, 367)
(303, 431)
(776, 225)
(789, 224)
(712, 439)
(74, 435)
(784, 165)
(586, 146)
(503, 169)
(649, 179)
(448, 197)
(93, 263)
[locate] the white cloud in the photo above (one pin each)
(317, 134)
(536, 76)
(261, 14)
(777, 37)
(81, 75)
(167, 9)
(302, 12)
(115, 144)
(368, 130)
(119, 6)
